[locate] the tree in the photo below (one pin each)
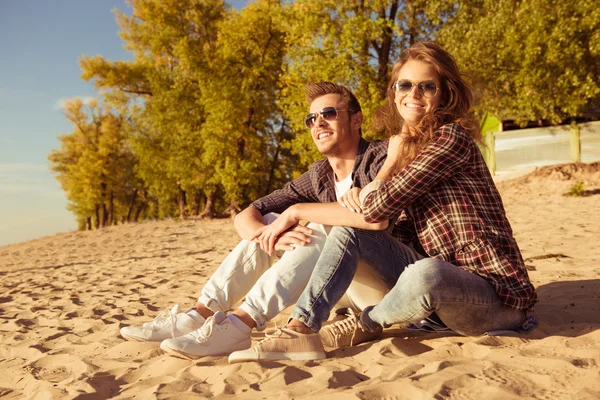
(209, 80)
(166, 38)
(245, 128)
(95, 165)
(354, 43)
(530, 60)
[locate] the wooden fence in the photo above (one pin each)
(511, 150)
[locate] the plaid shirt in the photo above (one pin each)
(317, 185)
(457, 213)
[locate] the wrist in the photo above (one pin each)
(384, 172)
(293, 212)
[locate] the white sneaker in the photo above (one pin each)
(168, 324)
(217, 337)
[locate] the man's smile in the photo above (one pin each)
(323, 135)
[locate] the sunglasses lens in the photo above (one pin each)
(329, 113)
(403, 87)
(310, 119)
(428, 88)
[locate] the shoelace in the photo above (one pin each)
(268, 336)
(162, 318)
(203, 333)
(346, 327)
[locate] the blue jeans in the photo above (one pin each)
(465, 302)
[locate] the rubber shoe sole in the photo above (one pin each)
(251, 355)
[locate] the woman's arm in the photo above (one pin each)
(321, 213)
(442, 158)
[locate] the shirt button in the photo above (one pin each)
(434, 253)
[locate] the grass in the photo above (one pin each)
(577, 189)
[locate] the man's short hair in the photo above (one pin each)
(314, 90)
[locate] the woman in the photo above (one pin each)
(435, 167)
(471, 274)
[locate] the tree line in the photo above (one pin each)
(208, 114)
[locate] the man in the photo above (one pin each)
(251, 270)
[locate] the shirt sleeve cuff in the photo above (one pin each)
(371, 187)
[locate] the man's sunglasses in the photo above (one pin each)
(426, 88)
(328, 114)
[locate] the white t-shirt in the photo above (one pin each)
(342, 186)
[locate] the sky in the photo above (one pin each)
(40, 44)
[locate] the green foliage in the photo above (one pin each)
(530, 60)
(95, 165)
(209, 112)
(353, 43)
(577, 189)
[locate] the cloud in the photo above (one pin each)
(61, 103)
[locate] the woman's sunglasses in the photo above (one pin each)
(426, 88)
(328, 114)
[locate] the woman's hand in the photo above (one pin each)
(394, 146)
(351, 200)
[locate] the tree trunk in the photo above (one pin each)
(138, 212)
(274, 164)
(411, 23)
(181, 197)
(112, 220)
(209, 206)
(88, 224)
(198, 198)
(131, 205)
(104, 215)
(233, 209)
(104, 211)
(97, 214)
(383, 51)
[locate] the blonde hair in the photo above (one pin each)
(455, 104)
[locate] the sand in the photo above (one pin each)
(63, 299)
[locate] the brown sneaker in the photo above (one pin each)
(284, 344)
(348, 332)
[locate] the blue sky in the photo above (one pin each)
(40, 43)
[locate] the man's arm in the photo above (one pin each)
(321, 213)
(248, 222)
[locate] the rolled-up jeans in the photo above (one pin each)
(418, 286)
(269, 284)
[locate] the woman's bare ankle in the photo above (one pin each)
(297, 326)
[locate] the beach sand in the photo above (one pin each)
(63, 299)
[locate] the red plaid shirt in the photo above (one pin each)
(457, 213)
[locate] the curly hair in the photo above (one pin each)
(455, 105)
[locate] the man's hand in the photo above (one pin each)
(351, 200)
(298, 235)
(268, 236)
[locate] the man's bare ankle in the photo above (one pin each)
(245, 318)
(203, 310)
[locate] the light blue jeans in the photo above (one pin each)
(465, 302)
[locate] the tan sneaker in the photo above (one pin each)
(348, 332)
(284, 344)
